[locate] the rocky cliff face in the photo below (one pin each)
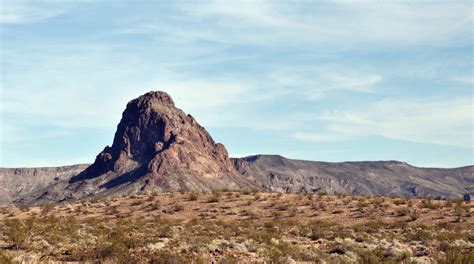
(162, 141)
(157, 147)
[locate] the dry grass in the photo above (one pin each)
(245, 227)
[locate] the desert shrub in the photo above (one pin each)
(153, 206)
(215, 197)
(94, 200)
(455, 255)
(277, 255)
(361, 204)
(293, 212)
(378, 201)
(316, 233)
(346, 201)
(250, 214)
(113, 244)
(193, 196)
(246, 192)
(263, 236)
(230, 259)
(399, 202)
(379, 255)
(114, 210)
(459, 210)
(135, 203)
(413, 216)
(167, 257)
(451, 236)
(257, 196)
(317, 229)
(283, 207)
(374, 256)
(177, 207)
(307, 255)
(269, 225)
(276, 214)
(20, 232)
(427, 203)
(419, 234)
(402, 212)
(373, 226)
(24, 208)
(45, 209)
(5, 258)
(152, 197)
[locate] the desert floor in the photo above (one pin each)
(240, 227)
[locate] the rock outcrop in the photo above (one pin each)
(161, 140)
(157, 147)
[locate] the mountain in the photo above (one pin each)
(19, 182)
(276, 173)
(157, 147)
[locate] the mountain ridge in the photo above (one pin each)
(157, 147)
(467, 169)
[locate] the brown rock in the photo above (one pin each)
(157, 147)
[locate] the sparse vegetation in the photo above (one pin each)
(231, 227)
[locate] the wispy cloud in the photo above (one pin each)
(317, 137)
(435, 121)
(347, 25)
(316, 82)
(469, 80)
(29, 11)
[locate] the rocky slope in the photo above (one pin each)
(18, 182)
(276, 173)
(157, 147)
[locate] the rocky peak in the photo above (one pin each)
(160, 139)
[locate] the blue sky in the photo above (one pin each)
(325, 80)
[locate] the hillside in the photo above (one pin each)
(17, 182)
(276, 173)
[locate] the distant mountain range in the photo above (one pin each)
(157, 147)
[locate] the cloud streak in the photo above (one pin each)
(339, 24)
(435, 121)
(27, 11)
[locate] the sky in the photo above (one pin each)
(313, 80)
